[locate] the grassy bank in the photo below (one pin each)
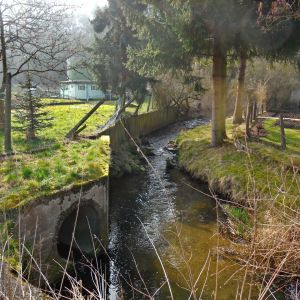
(29, 175)
(65, 117)
(264, 181)
(25, 177)
(262, 171)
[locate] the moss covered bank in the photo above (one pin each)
(262, 182)
(258, 170)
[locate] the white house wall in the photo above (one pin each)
(73, 92)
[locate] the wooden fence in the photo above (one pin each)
(140, 125)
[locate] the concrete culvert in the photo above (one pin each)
(88, 225)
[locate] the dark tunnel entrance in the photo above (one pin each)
(88, 226)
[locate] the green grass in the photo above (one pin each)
(292, 136)
(25, 177)
(265, 173)
(65, 118)
(241, 218)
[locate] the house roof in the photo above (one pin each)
(79, 74)
(78, 81)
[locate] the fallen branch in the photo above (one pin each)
(76, 129)
(113, 120)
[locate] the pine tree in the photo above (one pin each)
(30, 115)
(110, 54)
(179, 32)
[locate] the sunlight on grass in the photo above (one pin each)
(65, 117)
(266, 171)
(26, 177)
(273, 135)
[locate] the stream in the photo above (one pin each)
(166, 212)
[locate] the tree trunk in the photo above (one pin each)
(248, 119)
(251, 113)
(282, 133)
(123, 100)
(3, 54)
(218, 103)
(7, 115)
(4, 69)
(1, 114)
(30, 134)
(238, 110)
(137, 109)
(254, 111)
(71, 134)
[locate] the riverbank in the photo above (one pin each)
(243, 173)
(49, 163)
(58, 180)
(165, 201)
(25, 177)
(263, 183)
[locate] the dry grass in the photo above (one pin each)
(264, 182)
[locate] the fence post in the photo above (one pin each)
(248, 119)
(282, 133)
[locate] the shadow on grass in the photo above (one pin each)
(20, 144)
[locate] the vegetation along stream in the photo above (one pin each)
(166, 210)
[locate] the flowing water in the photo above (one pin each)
(172, 214)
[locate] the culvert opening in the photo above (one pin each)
(87, 226)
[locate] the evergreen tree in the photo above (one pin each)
(113, 39)
(30, 116)
(178, 32)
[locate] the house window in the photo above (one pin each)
(81, 87)
(94, 88)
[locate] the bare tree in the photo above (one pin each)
(35, 37)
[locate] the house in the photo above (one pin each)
(80, 89)
(80, 85)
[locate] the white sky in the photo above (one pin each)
(86, 7)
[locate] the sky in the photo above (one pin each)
(86, 7)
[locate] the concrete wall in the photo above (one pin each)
(141, 125)
(46, 224)
(44, 228)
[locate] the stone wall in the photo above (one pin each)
(46, 225)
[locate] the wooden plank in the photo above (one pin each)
(72, 133)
